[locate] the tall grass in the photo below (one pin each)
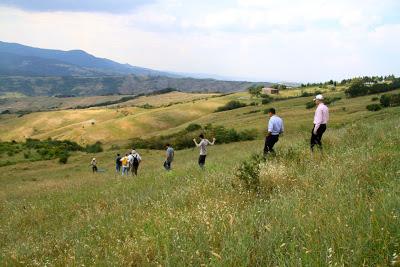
(336, 208)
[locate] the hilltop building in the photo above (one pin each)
(269, 91)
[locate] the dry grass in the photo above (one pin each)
(337, 209)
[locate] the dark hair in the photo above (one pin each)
(201, 136)
(117, 154)
(272, 110)
(167, 144)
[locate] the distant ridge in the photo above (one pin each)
(47, 72)
(17, 59)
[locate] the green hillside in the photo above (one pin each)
(339, 208)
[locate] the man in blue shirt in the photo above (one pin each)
(275, 128)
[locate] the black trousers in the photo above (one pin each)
(202, 160)
(316, 138)
(270, 141)
(134, 168)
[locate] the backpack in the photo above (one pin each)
(135, 161)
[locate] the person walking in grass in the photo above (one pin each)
(125, 165)
(135, 161)
(203, 149)
(169, 157)
(93, 163)
(321, 118)
(118, 163)
(275, 128)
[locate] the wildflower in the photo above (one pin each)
(216, 255)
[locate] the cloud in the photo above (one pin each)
(108, 6)
(306, 40)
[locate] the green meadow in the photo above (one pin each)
(336, 208)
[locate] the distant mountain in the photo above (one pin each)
(17, 59)
(47, 72)
(110, 85)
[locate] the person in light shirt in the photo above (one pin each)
(321, 118)
(203, 149)
(275, 128)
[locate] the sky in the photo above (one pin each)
(259, 40)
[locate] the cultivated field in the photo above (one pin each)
(339, 208)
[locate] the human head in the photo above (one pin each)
(201, 136)
(167, 145)
(318, 99)
(271, 112)
(126, 154)
(118, 155)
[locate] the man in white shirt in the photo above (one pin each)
(321, 118)
(203, 149)
(135, 161)
(275, 128)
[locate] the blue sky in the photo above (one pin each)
(290, 40)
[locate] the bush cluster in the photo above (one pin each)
(234, 104)
(374, 107)
(94, 148)
(359, 88)
(34, 149)
(184, 139)
(386, 100)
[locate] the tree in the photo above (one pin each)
(255, 90)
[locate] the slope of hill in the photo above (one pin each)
(114, 124)
(47, 72)
(336, 209)
(129, 84)
(17, 59)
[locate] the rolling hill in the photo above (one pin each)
(339, 208)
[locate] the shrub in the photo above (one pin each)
(193, 127)
(146, 106)
(265, 101)
(63, 158)
(331, 100)
(248, 134)
(94, 148)
(388, 100)
(310, 105)
(234, 104)
(374, 107)
(375, 99)
(249, 172)
(385, 100)
(305, 94)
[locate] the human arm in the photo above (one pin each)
(194, 140)
(270, 127)
(213, 142)
(318, 119)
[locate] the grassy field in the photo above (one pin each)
(339, 208)
(118, 123)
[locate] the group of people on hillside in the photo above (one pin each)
(131, 161)
(128, 163)
(275, 126)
